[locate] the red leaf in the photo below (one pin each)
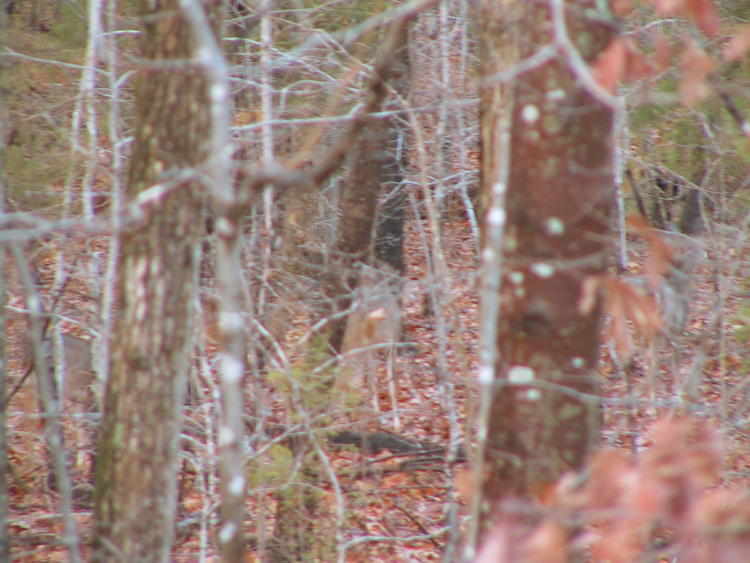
(609, 68)
(662, 50)
(668, 7)
(636, 65)
(738, 45)
(704, 16)
(621, 60)
(701, 12)
(621, 8)
(696, 66)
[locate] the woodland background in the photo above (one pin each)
(295, 355)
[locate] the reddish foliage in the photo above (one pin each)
(701, 12)
(621, 60)
(704, 16)
(738, 45)
(628, 507)
(660, 253)
(662, 50)
(696, 66)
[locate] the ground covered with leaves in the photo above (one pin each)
(399, 503)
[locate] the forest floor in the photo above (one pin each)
(393, 501)
(391, 504)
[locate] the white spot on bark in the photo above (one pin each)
(496, 217)
(482, 432)
(230, 321)
(555, 226)
(226, 436)
(488, 254)
(516, 278)
(533, 394)
(543, 270)
(231, 369)
(577, 362)
(236, 486)
(530, 114)
(227, 532)
(224, 226)
(521, 375)
(498, 188)
(556, 94)
(218, 92)
(486, 375)
(203, 55)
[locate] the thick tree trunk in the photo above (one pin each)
(136, 465)
(389, 229)
(544, 415)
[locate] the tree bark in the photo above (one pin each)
(544, 415)
(389, 229)
(136, 469)
(4, 467)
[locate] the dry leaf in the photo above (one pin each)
(704, 16)
(621, 60)
(609, 68)
(547, 544)
(738, 45)
(701, 12)
(696, 66)
(626, 303)
(668, 7)
(621, 7)
(660, 253)
(662, 50)
(636, 65)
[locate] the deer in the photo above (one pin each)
(373, 328)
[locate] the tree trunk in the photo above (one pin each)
(544, 415)
(389, 229)
(4, 467)
(136, 467)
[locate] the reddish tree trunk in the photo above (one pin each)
(544, 416)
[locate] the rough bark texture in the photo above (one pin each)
(389, 230)
(559, 196)
(137, 454)
(4, 499)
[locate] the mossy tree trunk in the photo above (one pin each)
(136, 468)
(558, 190)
